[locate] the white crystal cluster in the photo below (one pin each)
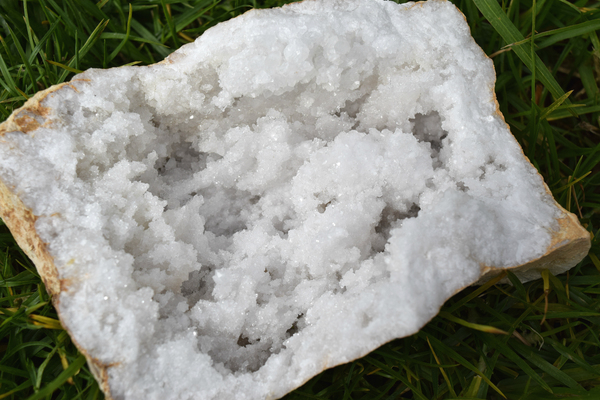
(295, 188)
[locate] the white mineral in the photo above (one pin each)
(292, 190)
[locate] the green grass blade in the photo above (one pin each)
(38, 47)
(21, 279)
(566, 352)
(23, 58)
(170, 23)
(482, 328)
(545, 366)
(123, 36)
(42, 367)
(588, 80)
(60, 379)
(85, 48)
(563, 112)
(476, 292)
(569, 32)
(13, 371)
(162, 50)
(554, 105)
(62, 12)
(21, 346)
(9, 83)
(125, 39)
(518, 285)
(416, 392)
(573, 6)
(9, 90)
(506, 351)
(27, 25)
(571, 183)
(22, 386)
(457, 357)
(199, 9)
(494, 14)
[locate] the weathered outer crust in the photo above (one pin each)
(18, 217)
(21, 221)
(571, 242)
(568, 246)
(27, 118)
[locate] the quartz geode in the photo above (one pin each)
(292, 190)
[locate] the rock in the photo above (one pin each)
(289, 192)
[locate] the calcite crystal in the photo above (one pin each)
(289, 192)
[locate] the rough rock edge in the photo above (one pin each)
(20, 220)
(568, 246)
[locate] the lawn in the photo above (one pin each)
(538, 340)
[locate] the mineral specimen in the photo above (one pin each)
(292, 190)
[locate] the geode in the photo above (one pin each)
(289, 192)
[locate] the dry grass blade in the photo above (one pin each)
(482, 328)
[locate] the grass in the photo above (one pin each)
(538, 340)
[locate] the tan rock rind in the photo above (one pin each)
(32, 115)
(20, 220)
(568, 246)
